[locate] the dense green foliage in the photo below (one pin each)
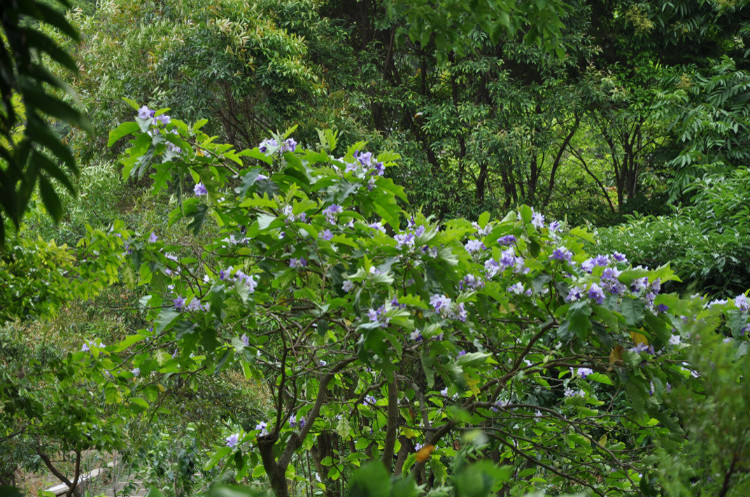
(220, 307)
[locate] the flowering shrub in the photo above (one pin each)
(381, 334)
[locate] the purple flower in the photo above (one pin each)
(481, 231)
(440, 302)
(416, 336)
(136, 372)
(194, 305)
(601, 260)
(462, 314)
(301, 262)
(610, 274)
(675, 340)
(575, 293)
(418, 446)
(507, 258)
(619, 257)
(471, 281)
(561, 254)
(200, 190)
(596, 293)
(262, 427)
(325, 235)
(517, 288)
(164, 119)
(369, 399)
(377, 316)
(554, 226)
(265, 144)
(289, 145)
(224, 273)
(144, 112)
(179, 303)
(248, 280)
(741, 302)
(153, 238)
(294, 421)
(639, 284)
(377, 226)
(347, 286)
(584, 372)
(245, 340)
(331, 211)
(506, 240)
(232, 440)
(85, 347)
(537, 219)
(461, 352)
(404, 239)
(642, 347)
(364, 158)
(491, 268)
(379, 169)
(662, 308)
(473, 246)
(500, 404)
(569, 392)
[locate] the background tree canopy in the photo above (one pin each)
(376, 247)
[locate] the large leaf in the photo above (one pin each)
(123, 129)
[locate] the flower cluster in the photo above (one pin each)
(507, 240)
(584, 372)
(471, 281)
(561, 254)
(262, 427)
(446, 308)
(293, 421)
(297, 263)
(268, 144)
(86, 347)
(377, 316)
(288, 212)
(507, 260)
(331, 212)
(537, 219)
(232, 440)
(569, 392)
(519, 289)
(365, 165)
(408, 238)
